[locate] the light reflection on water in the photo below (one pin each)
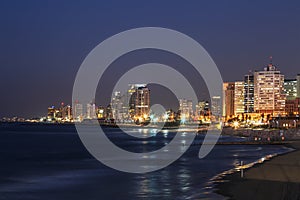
(59, 164)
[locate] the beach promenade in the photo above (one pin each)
(278, 178)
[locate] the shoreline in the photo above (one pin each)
(275, 178)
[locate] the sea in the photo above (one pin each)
(49, 161)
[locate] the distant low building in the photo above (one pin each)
(285, 122)
(292, 107)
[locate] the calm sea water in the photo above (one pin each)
(50, 162)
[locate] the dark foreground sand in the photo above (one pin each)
(278, 178)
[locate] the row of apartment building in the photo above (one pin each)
(264, 92)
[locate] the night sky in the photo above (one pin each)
(43, 43)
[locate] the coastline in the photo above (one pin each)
(277, 178)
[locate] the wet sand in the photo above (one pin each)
(278, 178)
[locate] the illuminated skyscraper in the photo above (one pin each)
(78, 112)
(130, 100)
(228, 99)
(290, 88)
(142, 102)
(269, 96)
(202, 108)
(238, 97)
(65, 112)
(249, 93)
(139, 102)
(216, 107)
(298, 85)
(51, 113)
(91, 111)
(186, 108)
(117, 103)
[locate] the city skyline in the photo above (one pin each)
(50, 40)
(238, 100)
(263, 92)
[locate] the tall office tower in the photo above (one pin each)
(216, 107)
(91, 111)
(139, 103)
(202, 108)
(186, 108)
(65, 112)
(298, 85)
(249, 93)
(117, 106)
(130, 99)
(290, 88)
(238, 97)
(228, 99)
(78, 111)
(69, 116)
(142, 102)
(51, 113)
(269, 95)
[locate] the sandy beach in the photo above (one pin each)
(278, 178)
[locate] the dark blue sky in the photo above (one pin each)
(43, 43)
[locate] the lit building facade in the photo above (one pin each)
(78, 112)
(249, 93)
(298, 85)
(130, 99)
(186, 108)
(269, 95)
(228, 99)
(91, 111)
(117, 102)
(51, 113)
(292, 107)
(290, 88)
(139, 102)
(216, 107)
(202, 108)
(238, 97)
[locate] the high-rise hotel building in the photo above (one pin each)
(269, 95)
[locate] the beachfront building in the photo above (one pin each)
(139, 102)
(269, 95)
(298, 85)
(290, 88)
(119, 107)
(131, 98)
(228, 99)
(238, 97)
(91, 111)
(186, 108)
(249, 93)
(202, 111)
(78, 111)
(216, 107)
